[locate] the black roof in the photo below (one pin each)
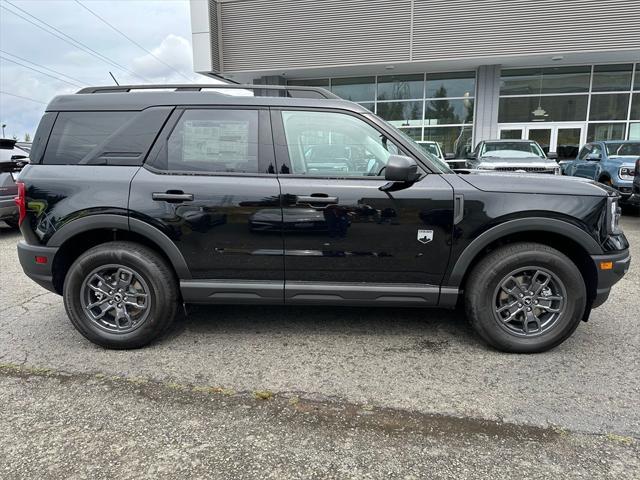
(139, 97)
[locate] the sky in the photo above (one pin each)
(162, 27)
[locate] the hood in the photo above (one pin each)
(545, 184)
(624, 160)
(493, 163)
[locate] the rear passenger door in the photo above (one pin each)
(209, 174)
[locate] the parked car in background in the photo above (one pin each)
(12, 159)
(610, 162)
(434, 149)
(636, 182)
(521, 156)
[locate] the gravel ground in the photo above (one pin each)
(403, 393)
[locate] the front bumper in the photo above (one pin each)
(8, 208)
(608, 277)
(40, 271)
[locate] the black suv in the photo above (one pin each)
(138, 200)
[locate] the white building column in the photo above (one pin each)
(487, 99)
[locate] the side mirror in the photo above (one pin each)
(552, 156)
(449, 156)
(593, 157)
(401, 169)
(471, 156)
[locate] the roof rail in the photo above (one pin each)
(259, 90)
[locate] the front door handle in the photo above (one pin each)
(315, 199)
(172, 196)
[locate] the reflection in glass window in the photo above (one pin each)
(400, 87)
(369, 106)
(609, 107)
(543, 109)
(605, 131)
(634, 131)
(529, 81)
(401, 114)
(635, 107)
(460, 84)
(214, 140)
(413, 133)
(356, 89)
(442, 112)
(456, 140)
(330, 144)
(612, 78)
(636, 82)
(511, 134)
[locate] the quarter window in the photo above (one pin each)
(330, 144)
(214, 141)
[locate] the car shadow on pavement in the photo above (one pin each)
(437, 327)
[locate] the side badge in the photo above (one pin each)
(425, 236)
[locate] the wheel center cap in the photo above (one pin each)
(117, 297)
(527, 301)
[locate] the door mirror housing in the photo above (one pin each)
(593, 157)
(552, 156)
(471, 156)
(401, 169)
(449, 156)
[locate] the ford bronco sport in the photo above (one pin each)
(137, 200)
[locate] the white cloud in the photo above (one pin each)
(176, 56)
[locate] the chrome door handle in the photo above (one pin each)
(314, 199)
(172, 197)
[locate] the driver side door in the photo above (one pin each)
(345, 240)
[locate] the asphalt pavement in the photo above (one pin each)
(275, 392)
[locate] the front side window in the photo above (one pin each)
(331, 144)
(214, 141)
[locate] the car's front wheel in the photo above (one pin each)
(120, 295)
(525, 298)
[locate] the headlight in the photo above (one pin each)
(613, 216)
(626, 173)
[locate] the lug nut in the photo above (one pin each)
(110, 302)
(120, 306)
(521, 295)
(519, 305)
(528, 309)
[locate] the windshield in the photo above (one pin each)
(623, 148)
(511, 150)
(440, 163)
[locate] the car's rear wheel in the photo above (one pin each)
(525, 298)
(120, 295)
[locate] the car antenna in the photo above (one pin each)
(114, 78)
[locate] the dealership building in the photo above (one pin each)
(454, 71)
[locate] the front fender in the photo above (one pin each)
(531, 224)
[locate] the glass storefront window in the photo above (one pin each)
(565, 108)
(611, 78)
(609, 107)
(400, 87)
(314, 82)
(606, 131)
(358, 89)
(442, 112)
(401, 114)
(636, 82)
(440, 85)
(456, 140)
(413, 133)
(369, 106)
(511, 134)
(635, 107)
(545, 80)
(634, 131)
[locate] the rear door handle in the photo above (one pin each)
(172, 196)
(314, 199)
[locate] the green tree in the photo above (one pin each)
(441, 110)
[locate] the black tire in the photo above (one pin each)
(484, 286)
(151, 269)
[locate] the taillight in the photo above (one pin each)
(21, 202)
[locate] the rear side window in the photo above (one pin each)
(76, 134)
(214, 141)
